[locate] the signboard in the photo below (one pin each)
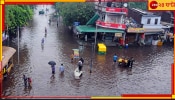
(118, 34)
(76, 53)
(136, 30)
(117, 10)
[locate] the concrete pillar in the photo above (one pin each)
(86, 37)
(1, 77)
(121, 21)
(136, 38)
(124, 35)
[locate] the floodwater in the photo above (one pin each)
(151, 72)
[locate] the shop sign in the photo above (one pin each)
(136, 30)
(118, 34)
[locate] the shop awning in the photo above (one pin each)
(144, 30)
(93, 20)
(7, 53)
(85, 28)
(154, 30)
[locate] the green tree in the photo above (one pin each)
(17, 15)
(140, 5)
(75, 12)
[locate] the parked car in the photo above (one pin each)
(41, 12)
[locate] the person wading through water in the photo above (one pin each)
(80, 65)
(45, 31)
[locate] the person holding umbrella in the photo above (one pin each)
(52, 63)
(53, 69)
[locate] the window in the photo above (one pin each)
(103, 17)
(148, 21)
(156, 21)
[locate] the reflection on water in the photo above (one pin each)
(101, 59)
(151, 72)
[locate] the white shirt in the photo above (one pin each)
(61, 68)
(80, 63)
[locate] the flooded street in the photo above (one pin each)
(151, 72)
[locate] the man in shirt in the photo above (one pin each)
(115, 58)
(132, 60)
(80, 65)
(61, 68)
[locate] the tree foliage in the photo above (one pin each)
(17, 15)
(75, 12)
(140, 5)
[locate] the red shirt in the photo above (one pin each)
(143, 36)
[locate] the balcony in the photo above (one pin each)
(111, 25)
(111, 9)
(116, 10)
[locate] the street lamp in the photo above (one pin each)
(92, 52)
(8, 34)
(81, 49)
(18, 25)
(95, 36)
(18, 44)
(93, 49)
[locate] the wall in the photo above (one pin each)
(152, 22)
(152, 26)
(113, 18)
(145, 19)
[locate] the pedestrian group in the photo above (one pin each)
(61, 69)
(129, 62)
(27, 81)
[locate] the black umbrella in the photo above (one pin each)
(52, 63)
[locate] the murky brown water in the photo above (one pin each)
(151, 72)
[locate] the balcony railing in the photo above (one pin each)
(116, 10)
(112, 9)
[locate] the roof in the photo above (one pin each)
(7, 53)
(142, 11)
(93, 20)
(167, 24)
(150, 15)
(145, 13)
(85, 28)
